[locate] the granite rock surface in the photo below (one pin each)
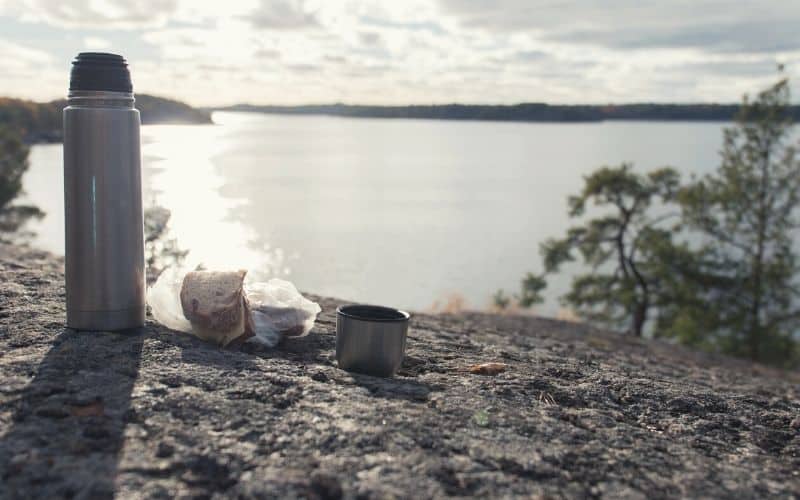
(578, 413)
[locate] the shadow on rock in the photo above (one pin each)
(393, 388)
(314, 348)
(203, 353)
(68, 424)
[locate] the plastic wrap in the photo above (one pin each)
(277, 309)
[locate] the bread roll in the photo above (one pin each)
(215, 304)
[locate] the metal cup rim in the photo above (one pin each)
(361, 312)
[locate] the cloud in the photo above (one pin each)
(283, 15)
(411, 51)
(182, 43)
(267, 54)
(96, 43)
(17, 57)
(531, 55)
(432, 26)
(23, 65)
(370, 38)
(721, 25)
(100, 14)
(335, 59)
(745, 36)
(304, 68)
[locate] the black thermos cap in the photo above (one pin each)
(100, 71)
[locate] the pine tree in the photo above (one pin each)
(746, 267)
(13, 165)
(622, 248)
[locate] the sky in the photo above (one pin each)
(409, 51)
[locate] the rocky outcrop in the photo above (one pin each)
(577, 413)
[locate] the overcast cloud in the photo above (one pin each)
(409, 51)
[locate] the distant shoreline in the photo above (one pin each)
(40, 122)
(526, 112)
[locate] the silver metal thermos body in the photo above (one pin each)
(104, 232)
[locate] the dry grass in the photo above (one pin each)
(451, 303)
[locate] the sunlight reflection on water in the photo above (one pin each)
(182, 178)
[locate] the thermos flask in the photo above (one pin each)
(104, 233)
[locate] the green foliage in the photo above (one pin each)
(724, 275)
(532, 287)
(13, 165)
(500, 300)
(30, 118)
(620, 247)
(746, 269)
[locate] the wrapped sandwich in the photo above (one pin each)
(215, 304)
(221, 308)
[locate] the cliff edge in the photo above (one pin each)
(578, 412)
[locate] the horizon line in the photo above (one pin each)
(469, 104)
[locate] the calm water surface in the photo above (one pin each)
(399, 212)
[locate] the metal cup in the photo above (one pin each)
(371, 339)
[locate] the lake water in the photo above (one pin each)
(398, 212)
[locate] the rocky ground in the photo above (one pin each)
(578, 413)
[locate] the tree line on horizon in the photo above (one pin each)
(41, 121)
(710, 262)
(524, 112)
